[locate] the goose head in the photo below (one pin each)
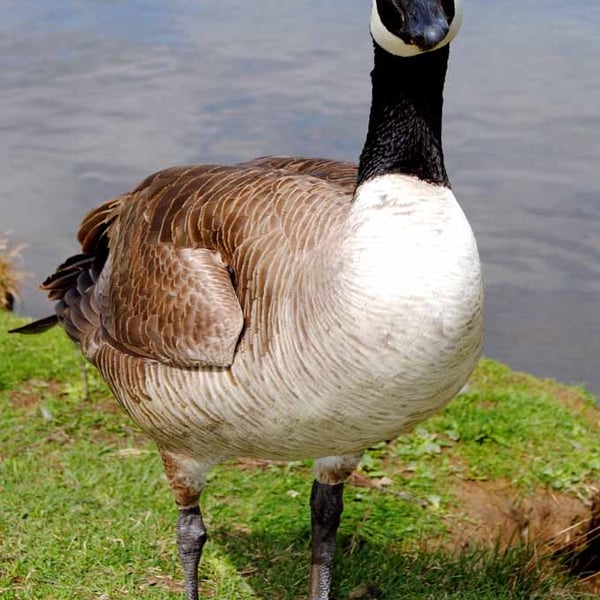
(409, 27)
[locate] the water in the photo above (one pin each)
(96, 94)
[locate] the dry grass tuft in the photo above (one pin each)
(581, 555)
(10, 278)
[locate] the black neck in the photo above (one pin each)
(405, 125)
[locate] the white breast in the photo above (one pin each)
(388, 337)
(413, 280)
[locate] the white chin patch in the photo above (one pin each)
(394, 45)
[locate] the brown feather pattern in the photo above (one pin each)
(261, 363)
(165, 292)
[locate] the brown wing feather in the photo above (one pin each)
(154, 278)
(170, 294)
(337, 172)
(94, 226)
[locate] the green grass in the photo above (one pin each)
(85, 511)
(511, 426)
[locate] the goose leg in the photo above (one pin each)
(191, 537)
(326, 507)
(186, 478)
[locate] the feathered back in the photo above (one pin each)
(165, 270)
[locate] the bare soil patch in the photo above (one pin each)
(562, 527)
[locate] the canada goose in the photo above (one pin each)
(289, 308)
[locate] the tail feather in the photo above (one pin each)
(76, 261)
(38, 326)
(66, 274)
(71, 286)
(84, 282)
(97, 267)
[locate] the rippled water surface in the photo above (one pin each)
(94, 95)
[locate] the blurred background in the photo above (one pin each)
(96, 94)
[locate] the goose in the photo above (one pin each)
(288, 308)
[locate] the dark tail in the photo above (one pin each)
(70, 285)
(38, 326)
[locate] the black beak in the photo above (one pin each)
(426, 24)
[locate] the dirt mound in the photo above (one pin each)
(561, 526)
